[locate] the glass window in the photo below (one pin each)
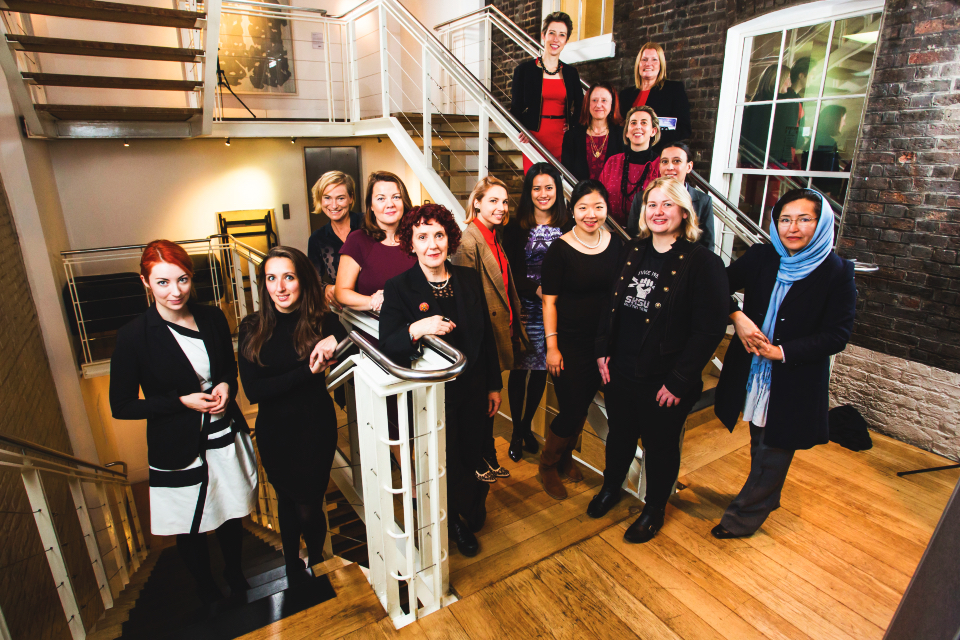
(800, 99)
(590, 18)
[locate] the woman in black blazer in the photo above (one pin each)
(667, 97)
(799, 306)
(597, 136)
(546, 94)
(660, 329)
(437, 298)
(180, 353)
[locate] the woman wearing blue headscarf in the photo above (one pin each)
(799, 306)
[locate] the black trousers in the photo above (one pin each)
(634, 414)
(469, 431)
(576, 386)
(195, 552)
(520, 386)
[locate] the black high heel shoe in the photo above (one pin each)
(517, 446)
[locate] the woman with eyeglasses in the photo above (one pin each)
(799, 307)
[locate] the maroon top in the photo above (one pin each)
(378, 262)
(595, 163)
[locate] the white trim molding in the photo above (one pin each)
(595, 48)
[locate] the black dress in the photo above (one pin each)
(582, 285)
(296, 425)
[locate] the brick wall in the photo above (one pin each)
(29, 409)
(903, 211)
(506, 55)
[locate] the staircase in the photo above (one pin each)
(89, 103)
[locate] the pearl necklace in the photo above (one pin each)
(599, 239)
(439, 287)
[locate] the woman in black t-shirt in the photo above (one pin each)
(667, 316)
(576, 276)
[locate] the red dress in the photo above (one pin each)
(550, 133)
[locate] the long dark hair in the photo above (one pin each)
(586, 187)
(259, 325)
(526, 211)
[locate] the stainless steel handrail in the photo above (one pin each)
(64, 457)
(74, 252)
(456, 358)
(742, 218)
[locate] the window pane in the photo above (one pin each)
(785, 139)
(592, 18)
(851, 55)
(764, 51)
(754, 130)
(608, 17)
(572, 9)
(805, 51)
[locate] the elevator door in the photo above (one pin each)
(319, 160)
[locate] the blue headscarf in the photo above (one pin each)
(792, 269)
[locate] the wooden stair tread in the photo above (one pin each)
(109, 82)
(109, 12)
(103, 49)
(98, 113)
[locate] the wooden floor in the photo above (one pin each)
(832, 563)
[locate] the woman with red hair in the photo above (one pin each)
(203, 473)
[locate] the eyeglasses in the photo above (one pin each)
(802, 222)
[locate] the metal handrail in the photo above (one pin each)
(74, 252)
(65, 457)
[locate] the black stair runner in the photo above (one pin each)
(169, 607)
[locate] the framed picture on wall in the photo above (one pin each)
(256, 54)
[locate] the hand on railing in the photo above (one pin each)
(323, 354)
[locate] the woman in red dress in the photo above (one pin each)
(547, 94)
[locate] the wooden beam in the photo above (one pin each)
(107, 82)
(102, 49)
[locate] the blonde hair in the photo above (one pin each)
(663, 65)
(678, 194)
(479, 191)
(332, 179)
(654, 120)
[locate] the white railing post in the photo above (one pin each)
(54, 553)
(427, 110)
(240, 297)
(486, 41)
(4, 629)
(112, 535)
(483, 152)
(384, 61)
(354, 108)
(327, 52)
(90, 536)
(118, 494)
(430, 458)
(254, 285)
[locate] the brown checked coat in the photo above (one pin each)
(474, 253)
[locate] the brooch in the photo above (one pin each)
(424, 307)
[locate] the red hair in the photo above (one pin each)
(164, 251)
(425, 214)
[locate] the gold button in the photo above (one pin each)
(666, 288)
(628, 262)
(636, 248)
(673, 273)
(681, 256)
(621, 277)
(648, 320)
(657, 305)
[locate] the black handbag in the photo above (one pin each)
(849, 429)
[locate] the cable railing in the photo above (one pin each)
(114, 551)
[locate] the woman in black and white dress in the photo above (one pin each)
(203, 472)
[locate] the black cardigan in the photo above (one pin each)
(574, 156)
(669, 101)
(403, 296)
(527, 94)
(688, 315)
(148, 357)
(816, 319)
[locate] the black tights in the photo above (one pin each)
(301, 518)
(195, 552)
(518, 386)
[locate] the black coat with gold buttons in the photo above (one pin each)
(687, 319)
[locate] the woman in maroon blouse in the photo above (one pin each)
(371, 255)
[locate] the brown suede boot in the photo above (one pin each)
(567, 467)
(549, 457)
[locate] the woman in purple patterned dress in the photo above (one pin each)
(541, 219)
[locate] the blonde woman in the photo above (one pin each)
(667, 316)
(481, 249)
(334, 196)
(652, 89)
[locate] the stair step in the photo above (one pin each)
(95, 113)
(108, 82)
(109, 12)
(498, 173)
(103, 49)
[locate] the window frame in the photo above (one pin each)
(736, 65)
(592, 48)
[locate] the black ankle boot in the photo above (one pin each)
(645, 527)
(530, 442)
(517, 445)
(465, 540)
(603, 502)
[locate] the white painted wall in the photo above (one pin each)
(113, 195)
